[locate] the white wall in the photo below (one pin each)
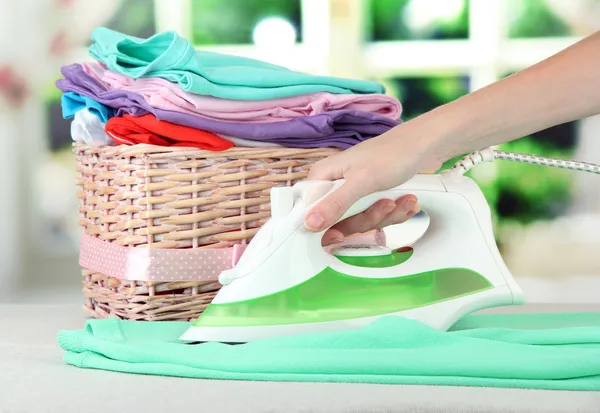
(10, 203)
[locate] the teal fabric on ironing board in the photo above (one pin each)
(479, 351)
(171, 57)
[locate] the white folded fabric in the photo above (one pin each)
(87, 128)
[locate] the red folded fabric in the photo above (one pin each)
(131, 130)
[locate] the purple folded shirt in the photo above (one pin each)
(338, 129)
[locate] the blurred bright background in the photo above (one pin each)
(426, 52)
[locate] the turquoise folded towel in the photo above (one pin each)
(171, 57)
(391, 350)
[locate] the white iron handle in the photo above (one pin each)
(459, 233)
(416, 185)
(454, 215)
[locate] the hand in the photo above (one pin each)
(374, 165)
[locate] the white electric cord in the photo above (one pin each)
(489, 155)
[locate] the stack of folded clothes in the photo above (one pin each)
(161, 91)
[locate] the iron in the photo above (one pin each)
(286, 283)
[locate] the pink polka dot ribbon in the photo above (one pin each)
(146, 264)
(192, 264)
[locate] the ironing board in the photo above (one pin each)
(33, 378)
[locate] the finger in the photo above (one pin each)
(323, 171)
(367, 220)
(406, 207)
(332, 236)
(331, 209)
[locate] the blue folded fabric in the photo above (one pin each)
(72, 102)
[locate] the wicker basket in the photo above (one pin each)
(175, 198)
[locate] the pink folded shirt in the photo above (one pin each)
(163, 94)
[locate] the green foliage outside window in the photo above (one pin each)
(232, 21)
(533, 18)
(391, 20)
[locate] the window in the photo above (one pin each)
(426, 52)
(549, 23)
(413, 20)
(216, 22)
(135, 18)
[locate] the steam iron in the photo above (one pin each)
(286, 283)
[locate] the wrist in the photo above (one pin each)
(431, 139)
(445, 135)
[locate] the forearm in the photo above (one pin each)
(562, 88)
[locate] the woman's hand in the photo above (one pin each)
(377, 164)
(546, 94)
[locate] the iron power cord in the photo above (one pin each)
(489, 155)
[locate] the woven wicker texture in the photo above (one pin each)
(156, 197)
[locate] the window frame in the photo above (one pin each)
(333, 43)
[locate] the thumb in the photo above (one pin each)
(329, 210)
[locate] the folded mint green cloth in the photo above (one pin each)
(479, 351)
(171, 57)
